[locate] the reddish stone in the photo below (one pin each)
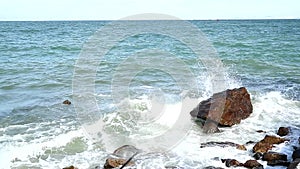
(226, 108)
(114, 163)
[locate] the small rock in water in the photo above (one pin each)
(114, 163)
(283, 131)
(270, 156)
(262, 147)
(273, 139)
(257, 156)
(124, 156)
(267, 143)
(70, 167)
(222, 144)
(173, 167)
(278, 163)
(252, 164)
(67, 102)
(260, 131)
(231, 162)
(212, 167)
(241, 147)
(250, 142)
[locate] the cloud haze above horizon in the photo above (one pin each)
(117, 9)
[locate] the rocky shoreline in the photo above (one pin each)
(226, 109)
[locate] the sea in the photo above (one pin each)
(132, 82)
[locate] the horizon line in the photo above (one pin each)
(227, 19)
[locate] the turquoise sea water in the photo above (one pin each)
(37, 62)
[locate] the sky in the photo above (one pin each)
(116, 9)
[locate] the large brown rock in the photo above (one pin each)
(226, 108)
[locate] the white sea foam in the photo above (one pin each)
(271, 110)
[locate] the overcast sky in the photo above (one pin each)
(116, 9)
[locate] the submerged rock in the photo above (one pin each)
(283, 131)
(70, 167)
(223, 144)
(278, 163)
(270, 156)
(173, 167)
(212, 167)
(296, 154)
(226, 108)
(294, 164)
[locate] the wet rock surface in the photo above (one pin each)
(67, 102)
(226, 108)
(223, 144)
(294, 164)
(70, 167)
(267, 143)
(257, 156)
(252, 164)
(283, 131)
(278, 163)
(211, 167)
(114, 163)
(262, 147)
(122, 156)
(270, 156)
(296, 154)
(231, 162)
